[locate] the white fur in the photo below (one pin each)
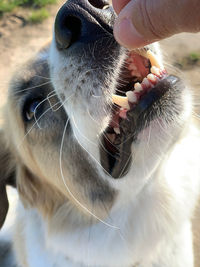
(143, 222)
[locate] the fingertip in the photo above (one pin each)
(118, 5)
(115, 6)
(126, 34)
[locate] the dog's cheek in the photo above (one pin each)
(7, 176)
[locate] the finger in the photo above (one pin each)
(118, 5)
(144, 21)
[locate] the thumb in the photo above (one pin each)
(142, 22)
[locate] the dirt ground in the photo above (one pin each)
(19, 41)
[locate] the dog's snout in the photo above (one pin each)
(83, 21)
(101, 4)
(67, 30)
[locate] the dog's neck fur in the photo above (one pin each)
(135, 227)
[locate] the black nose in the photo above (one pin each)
(83, 21)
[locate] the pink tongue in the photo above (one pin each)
(138, 65)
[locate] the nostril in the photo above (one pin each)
(82, 21)
(67, 30)
(74, 25)
(101, 4)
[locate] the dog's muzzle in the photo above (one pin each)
(82, 21)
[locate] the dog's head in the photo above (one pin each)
(88, 121)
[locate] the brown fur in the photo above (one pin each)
(6, 177)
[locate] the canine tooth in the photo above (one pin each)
(155, 71)
(131, 97)
(154, 60)
(121, 101)
(138, 87)
(117, 130)
(152, 78)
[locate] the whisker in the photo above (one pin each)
(33, 126)
(66, 186)
(47, 98)
(32, 87)
(81, 133)
(43, 77)
(196, 115)
(52, 106)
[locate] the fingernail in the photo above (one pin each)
(126, 34)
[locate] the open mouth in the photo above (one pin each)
(142, 81)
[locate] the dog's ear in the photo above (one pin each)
(7, 176)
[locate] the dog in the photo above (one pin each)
(102, 147)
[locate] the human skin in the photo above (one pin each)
(141, 22)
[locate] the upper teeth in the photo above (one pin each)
(121, 101)
(132, 98)
(146, 82)
(154, 60)
(138, 87)
(152, 78)
(155, 71)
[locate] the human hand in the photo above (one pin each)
(141, 22)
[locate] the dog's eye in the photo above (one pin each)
(30, 109)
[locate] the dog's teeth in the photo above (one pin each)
(146, 82)
(155, 71)
(121, 101)
(152, 78)
(117, 130)
(132, 98)
(138, 87)
(154, 60)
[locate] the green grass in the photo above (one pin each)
(9, 5)
(38, 16)
(189, 61)
(40, 3)
(195, 56)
